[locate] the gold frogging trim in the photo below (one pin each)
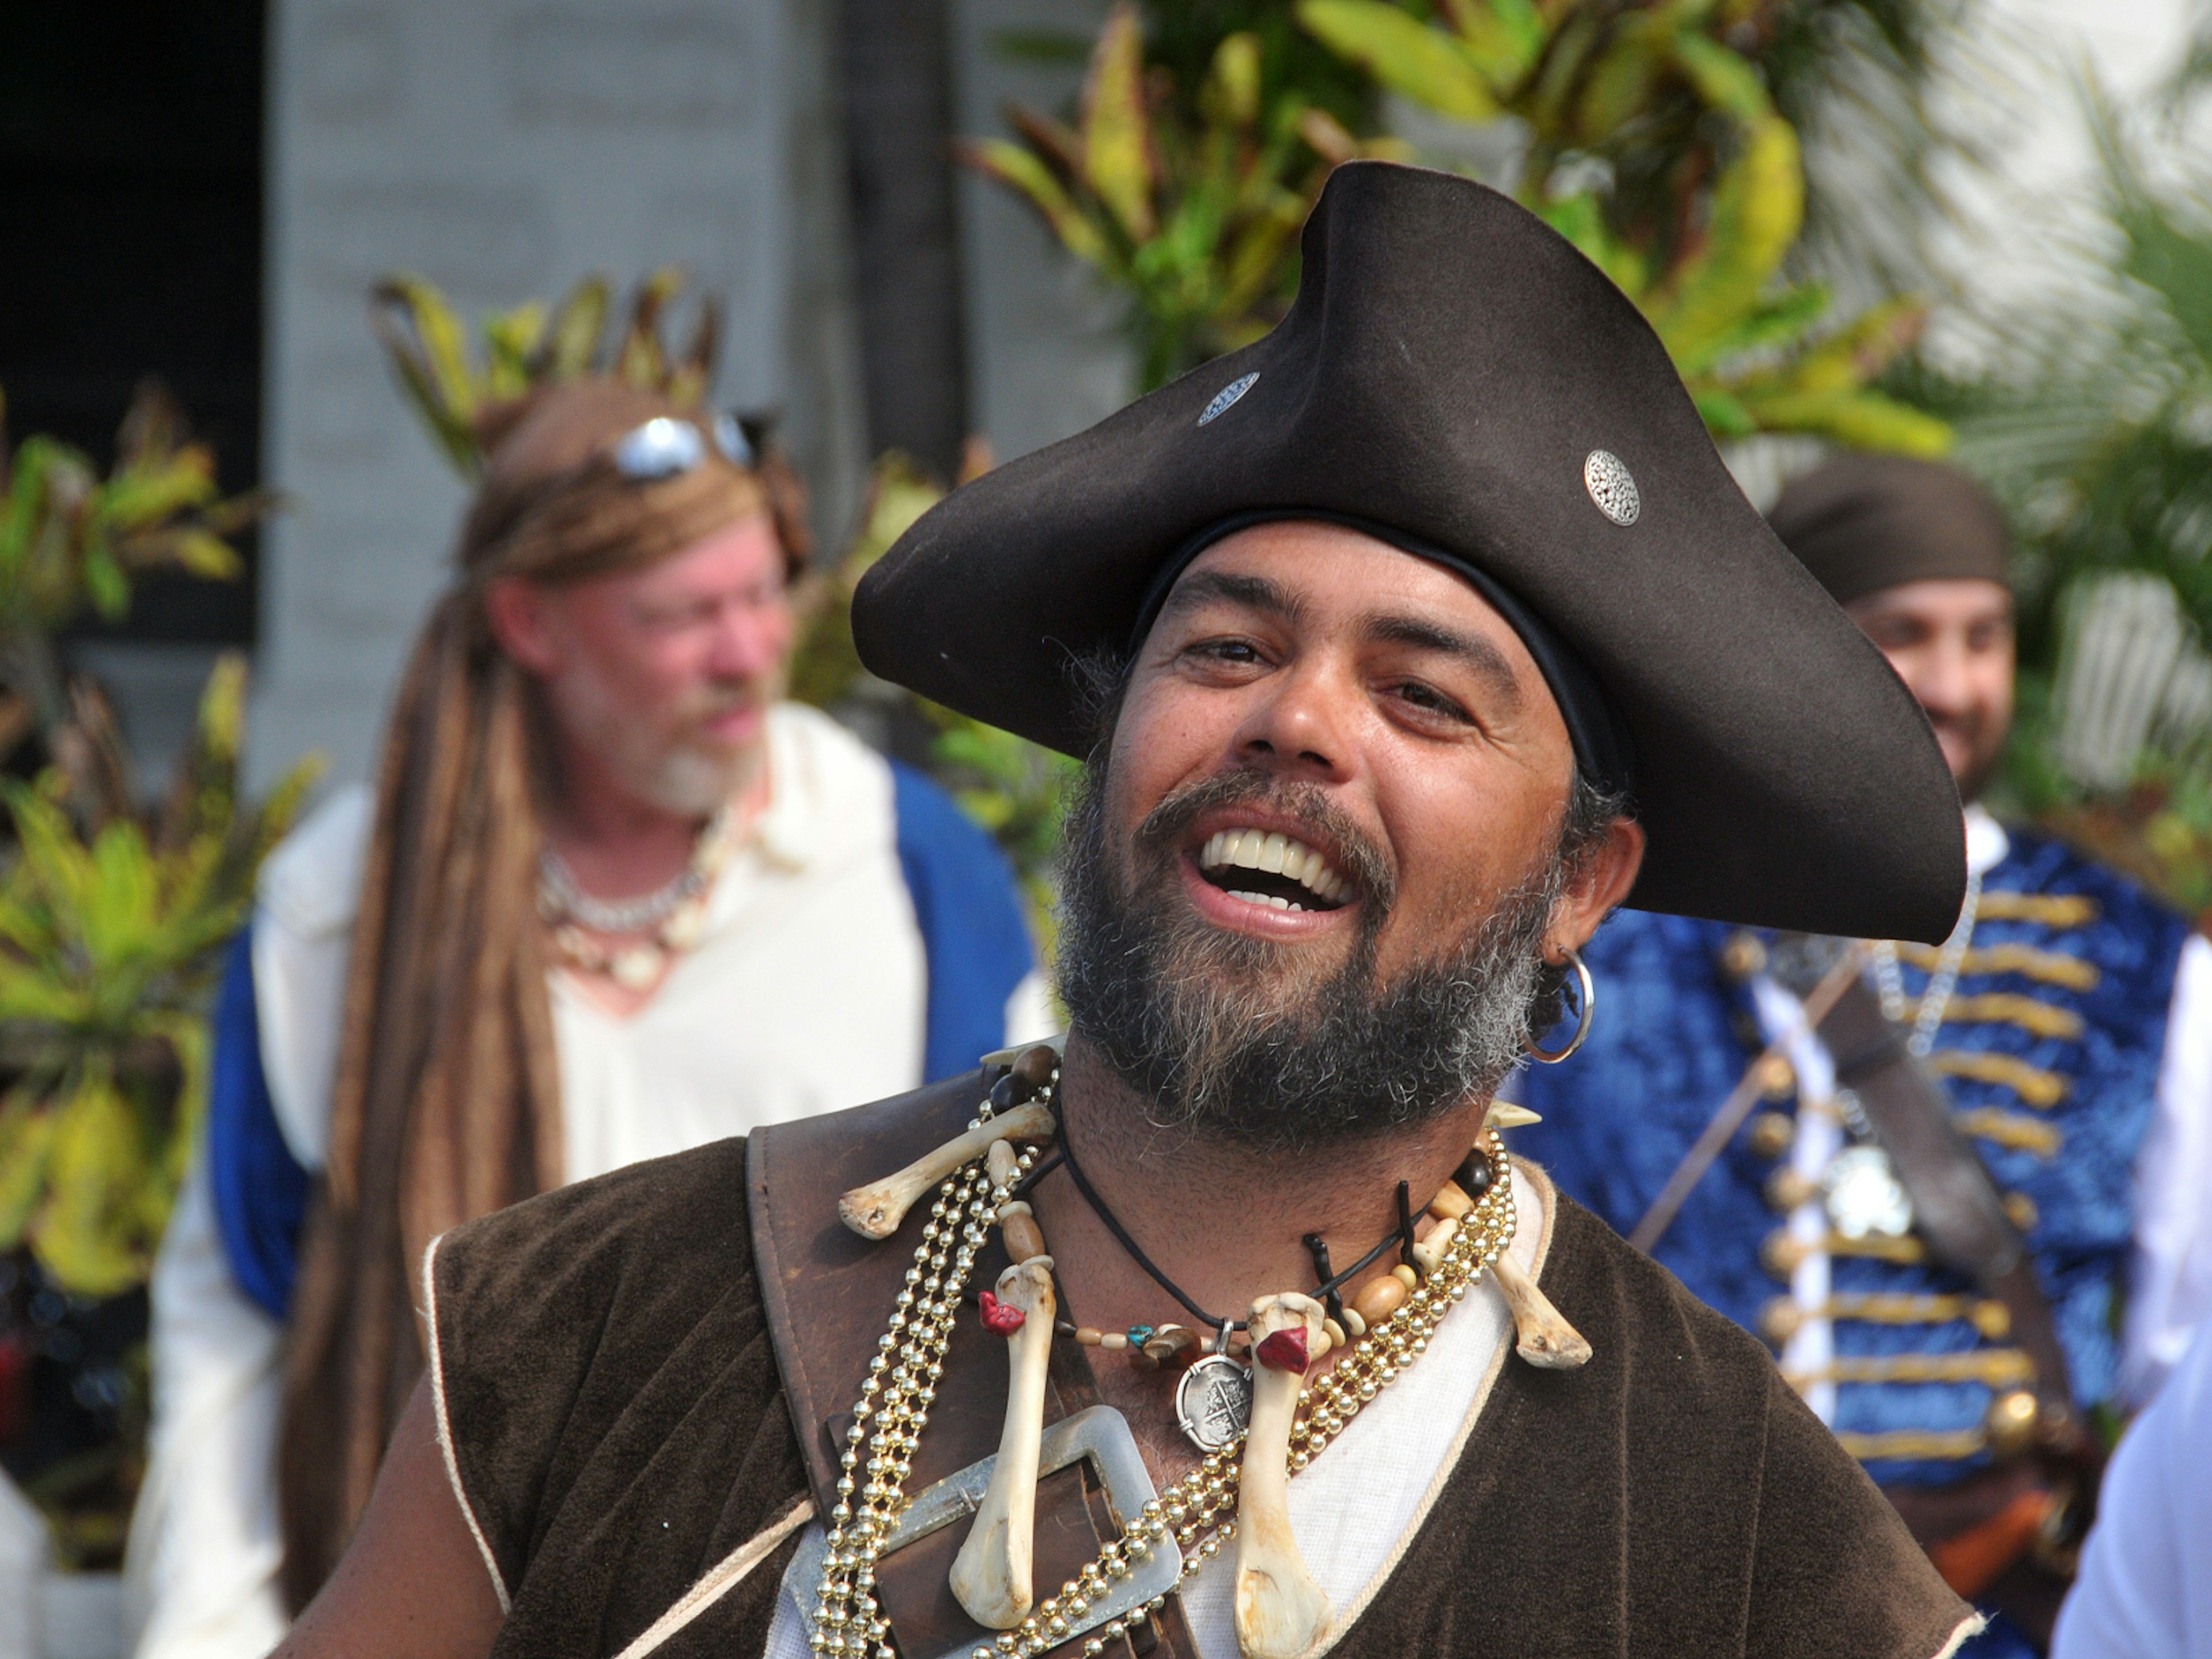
(2012, 1129)
(1998, 1367)
(1935, 1445)
(1781, 1253)
(2042, 1019)
(2039, 1088)
(1782, 1317)
(2047, 909)
(2051, 966)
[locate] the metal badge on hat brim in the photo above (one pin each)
(1453, 367)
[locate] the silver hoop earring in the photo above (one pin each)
(1582, 1028)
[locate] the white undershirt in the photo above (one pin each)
(1356, 1510)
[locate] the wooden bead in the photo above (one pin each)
(1172, 1345)
(1354, 1323)
(1024, 1238)
(1336, 1336)
(1378, 1299)
(1089, 1335)
(1406, 1276)
(1003, 1164)
(1450, 1203)
(1114, 1341)
(1035, 1067)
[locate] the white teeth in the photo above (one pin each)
(1277, 853)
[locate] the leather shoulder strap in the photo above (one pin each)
(1957, 1207)
(827, 1294)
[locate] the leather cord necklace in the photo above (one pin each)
(1400, 1238)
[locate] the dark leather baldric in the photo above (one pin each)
(828, 1294)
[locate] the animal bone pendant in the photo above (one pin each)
(1280, 1612)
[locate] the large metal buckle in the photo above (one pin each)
(1099, 1433)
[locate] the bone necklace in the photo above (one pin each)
(1238, 1491)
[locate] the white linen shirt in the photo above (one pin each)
(808, 994)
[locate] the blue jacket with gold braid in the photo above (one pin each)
(2051, 1046)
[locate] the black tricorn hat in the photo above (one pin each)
(1454, 371)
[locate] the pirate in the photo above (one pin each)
(2068, 1017)
(612, 897)
(1229, 1324)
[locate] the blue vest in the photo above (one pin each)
(975, 942)
(2051, 1046)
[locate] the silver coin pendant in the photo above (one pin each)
(1213, 1402)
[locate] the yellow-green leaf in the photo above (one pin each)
(208, 555)
(26, 1132)
(1724, 79)
(1404, 54)
(574, 336)
(1011, 164)
(1757, 208)
(1623, 81)
(1862, 420)
(1117, 160)
(1235, 84)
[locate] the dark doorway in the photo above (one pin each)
(131, 143)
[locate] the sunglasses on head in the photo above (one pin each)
(665, 448)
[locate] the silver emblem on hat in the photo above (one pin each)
(1611, 488)
(1228, 395)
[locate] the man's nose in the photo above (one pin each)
(1302, 727)
(1942, 680)
(748, 640)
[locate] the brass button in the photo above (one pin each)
(1786, 1189)
(1779, 1320)
(1772, 1134)
(1781, 1253)
(2012, 1421)
(2021, 1208)
(1777, 1077)
(1993, 1320)
(1744, 954)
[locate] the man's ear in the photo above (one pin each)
(1602, 877)
(515, 610)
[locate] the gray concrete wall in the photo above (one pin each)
(1046, 356)
(504, 149)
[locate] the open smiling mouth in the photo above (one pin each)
(1263, 866)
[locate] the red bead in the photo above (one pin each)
(1005, 1319)
(1285, 1351)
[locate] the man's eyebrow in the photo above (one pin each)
(1230, 587)
(1476, 652)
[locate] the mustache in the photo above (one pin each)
(1351, 850)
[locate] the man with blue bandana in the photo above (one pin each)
(2069, 1018)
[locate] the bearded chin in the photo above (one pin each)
(1229, 1036)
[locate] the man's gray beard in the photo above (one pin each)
(1211, 1027)
(690, 780)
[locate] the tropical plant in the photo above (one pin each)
(72, 540)
(112, 914)
(2097, 431)
(448, 385)
(109, 945)
(1013, 788)
(1655, 145)
(1189, 198)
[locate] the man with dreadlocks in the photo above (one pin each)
(610, 899)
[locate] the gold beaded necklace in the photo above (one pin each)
(1197, 1511)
